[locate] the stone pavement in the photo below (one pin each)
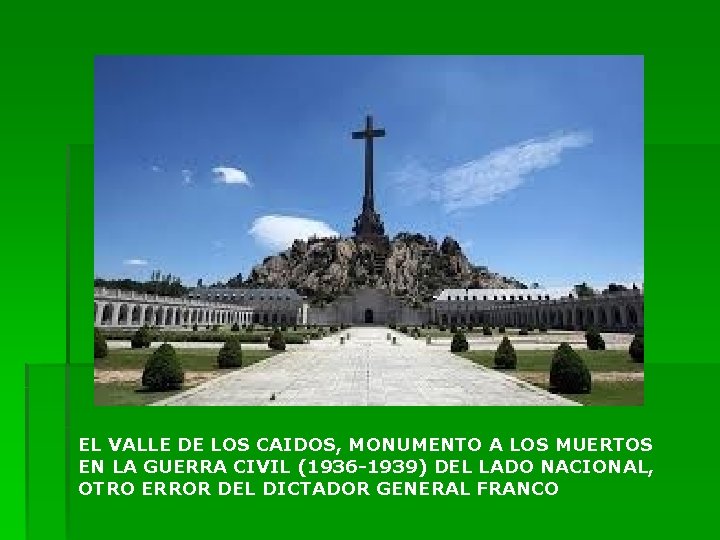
(366, 370)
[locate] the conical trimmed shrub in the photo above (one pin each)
(594, 340)
(568, 372)
(230, 354)
(163, 370)
(101, 348)
(637, 348)
(141, 338)
(505, 357)
(276, 341)
(459, 343)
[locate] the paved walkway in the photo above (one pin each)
(366, 370)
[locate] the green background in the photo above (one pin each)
(47, 130)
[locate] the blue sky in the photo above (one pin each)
(534, 164)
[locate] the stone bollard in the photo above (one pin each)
(388, 336)
(348, 336)
(342, 340)
(394, 340)
(428, 340)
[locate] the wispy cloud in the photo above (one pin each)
(135, 262)
(230, 175)
(279, 232)
(218, 244)
(485, 179)
(187, 176)
(156, 168)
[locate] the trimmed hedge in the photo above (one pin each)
(523, 332)
(501, 330)
(141, 339)
(637, 348)
(594, 340)
(163, 370)
(101, 348)
(568, 372)
(230, 355)
(235, 327)
(276, 341)
(459, 343)
(505, 356)
(487, 331)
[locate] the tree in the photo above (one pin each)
(163, 370)
(236, 281)
(637, 348)
(230, 355)
(583, 290)
(568, 372)
(101, 348)
(276, 341)
(505, 356)
(594, 340)
(459, 343)
(141, 338)
(614, 288)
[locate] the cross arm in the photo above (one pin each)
(365, 133)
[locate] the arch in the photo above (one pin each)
(135, 316)
(590, 317)
(265, 319)
(107, 314)
(602, 317)
(159, 312)
(96, 310)
(256, 318)
(444, 319)
(579, 318)
(560, 318)
(369, 316)
(148, 315)
(169, 312)
(123, 314)
(186, 317)
(274, 318)
(178, 317)
(569, 318)
(632, 316)
(616, 316)
(462, 319)
(283, 318)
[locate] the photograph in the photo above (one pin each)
(368, 230)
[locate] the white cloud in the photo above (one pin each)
(230, 175)
(218, 244)
(483, 180)
(156, 168)
(135, 262)
(187, 176)
(278, 232)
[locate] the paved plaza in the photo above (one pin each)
(366, 370)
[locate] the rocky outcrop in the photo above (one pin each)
(410, 266)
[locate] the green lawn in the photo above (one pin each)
(191, 359)
(477, 332)
(541, 360)
(611, 393)
(130, 393)
(126, 393)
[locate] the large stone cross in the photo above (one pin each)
(369, 133)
